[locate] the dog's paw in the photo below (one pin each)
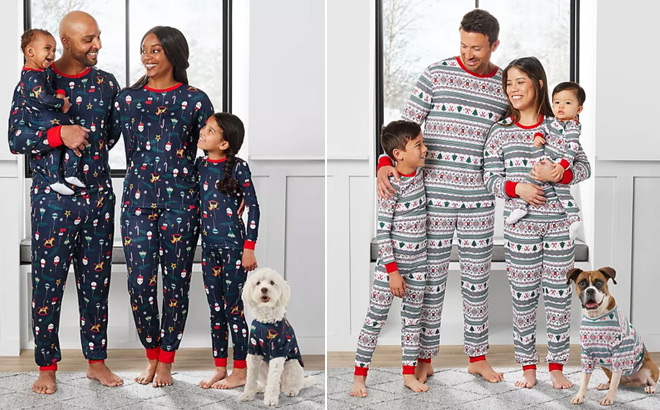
(603, 386)
(649, 389)
(271, 400)
(291, 392)
(577, 399)
(607, 401)
(246, 396)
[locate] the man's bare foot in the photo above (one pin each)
(423, 371)
(46, 383)
(220, 373)
(559, 381)
(163, 375)
(359, 386)
(413, 384)
(528, 379)
(235, 379)
(483, 369)
(147, 375)
(99, 371)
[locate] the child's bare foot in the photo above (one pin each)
(423, 371)
(99, 371)
(235, 379)
(559, 381)
(46, 383)
(413, 384)
(359, 386)
(147, 375)
(220, 373)
(528, 379)
(483, 369)
(163, 375)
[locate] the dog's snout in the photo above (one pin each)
(591, 292)
(264, 290)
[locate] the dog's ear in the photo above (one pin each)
(572, 275)
(246, 295)
(285, 296)
(608, 272)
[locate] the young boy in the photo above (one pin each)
(401, 267)
(561, 144)
(47, 108)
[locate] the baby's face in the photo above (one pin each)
(565, 105)
(41, 51)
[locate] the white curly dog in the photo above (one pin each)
(274, 362)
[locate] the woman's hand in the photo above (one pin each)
(397, 284)
(530, 193)
(249, 261)
(547, 171)
(384, 188)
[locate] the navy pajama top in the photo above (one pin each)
(272, 340)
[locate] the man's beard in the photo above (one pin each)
(83, 59)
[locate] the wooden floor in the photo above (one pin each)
(131, 360)
(451, 356)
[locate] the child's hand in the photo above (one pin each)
(397, 284)
(249, 261)
(557, 172)
(539, 141)
(66, 105)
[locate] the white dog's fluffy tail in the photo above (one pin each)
(308, 381)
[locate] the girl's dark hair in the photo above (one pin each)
(233, 132)
(176, 50)
(534, 70)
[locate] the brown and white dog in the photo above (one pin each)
(598, 306)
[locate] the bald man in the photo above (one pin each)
(76, 229)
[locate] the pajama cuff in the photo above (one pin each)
(221, 362)
(568, 177)
(391, 267)
(152, 354)
(529, 367)
(54, 136)
(60, 92)
(564, 164)
(383, 161)
(361, 371)
(420, 360)
(47, 368)
(249, 244)
(408, 370)
(510, 189)
(166, 357)
(240, 364)
(96, 361)
(477, 358)
(539, 134)
(555, 366)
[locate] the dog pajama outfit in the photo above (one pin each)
(224, 237)
(76, 229)
(402, 247)
(160, 206)
(610, 341)
(273, 340)
(537, 248)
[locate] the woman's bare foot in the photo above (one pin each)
(483, 369)
(46, 383)
(99, 371)
(423, 371)
(163, 375)
(359, 386)
(220, 373)
(528, 379)
(413, 384)
(147, 375)
(559, 381)
(235, 379)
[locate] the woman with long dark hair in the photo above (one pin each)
(538, 250)
(160, 117)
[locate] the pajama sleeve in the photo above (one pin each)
(581, 169)
(244, 177)
(420, 103)
(567, 136)
(23, 137)
(586, 362)
(120, 119)
(386, 244)
(114, 127)
(37, 91)
(494, 171)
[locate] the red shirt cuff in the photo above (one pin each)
(383, 161)
(391, 267)
(568, 177)
(249, 244)
(510, 189)
(54, 136)
(564, 163)
(61, 92)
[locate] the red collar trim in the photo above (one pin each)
(216, 161)
(162, 90)
(409, 175)
(529, 127)
(32, 69)
(458, 58)
(85, 72)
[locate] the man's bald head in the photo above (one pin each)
(76, 21)
(81, 37)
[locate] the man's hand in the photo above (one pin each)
(539, 141)
(249, 261)
(384, 188)
(543, 171)
(397, 284)
(75, 137)
(530, 193)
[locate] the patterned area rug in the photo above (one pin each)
(456, 389)
(75, 392)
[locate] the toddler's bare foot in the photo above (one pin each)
(99, 371)
(220, 373)
(235, 379)
(483, 369)
(559, 381)
(413, 384)
(528, 379)
(359, 387)
(423, 371)
(46, 383)
(147, 375)
(163, 375)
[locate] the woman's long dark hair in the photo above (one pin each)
(233, 132)
(534, 70)
(176, 50)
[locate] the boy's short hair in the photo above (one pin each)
(571, 86)
(29, 36)
(481, 21)
(396, 135)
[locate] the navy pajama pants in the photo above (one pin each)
(69, 230)
(165, 238)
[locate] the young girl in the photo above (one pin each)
(227, 247)
(538, 250)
